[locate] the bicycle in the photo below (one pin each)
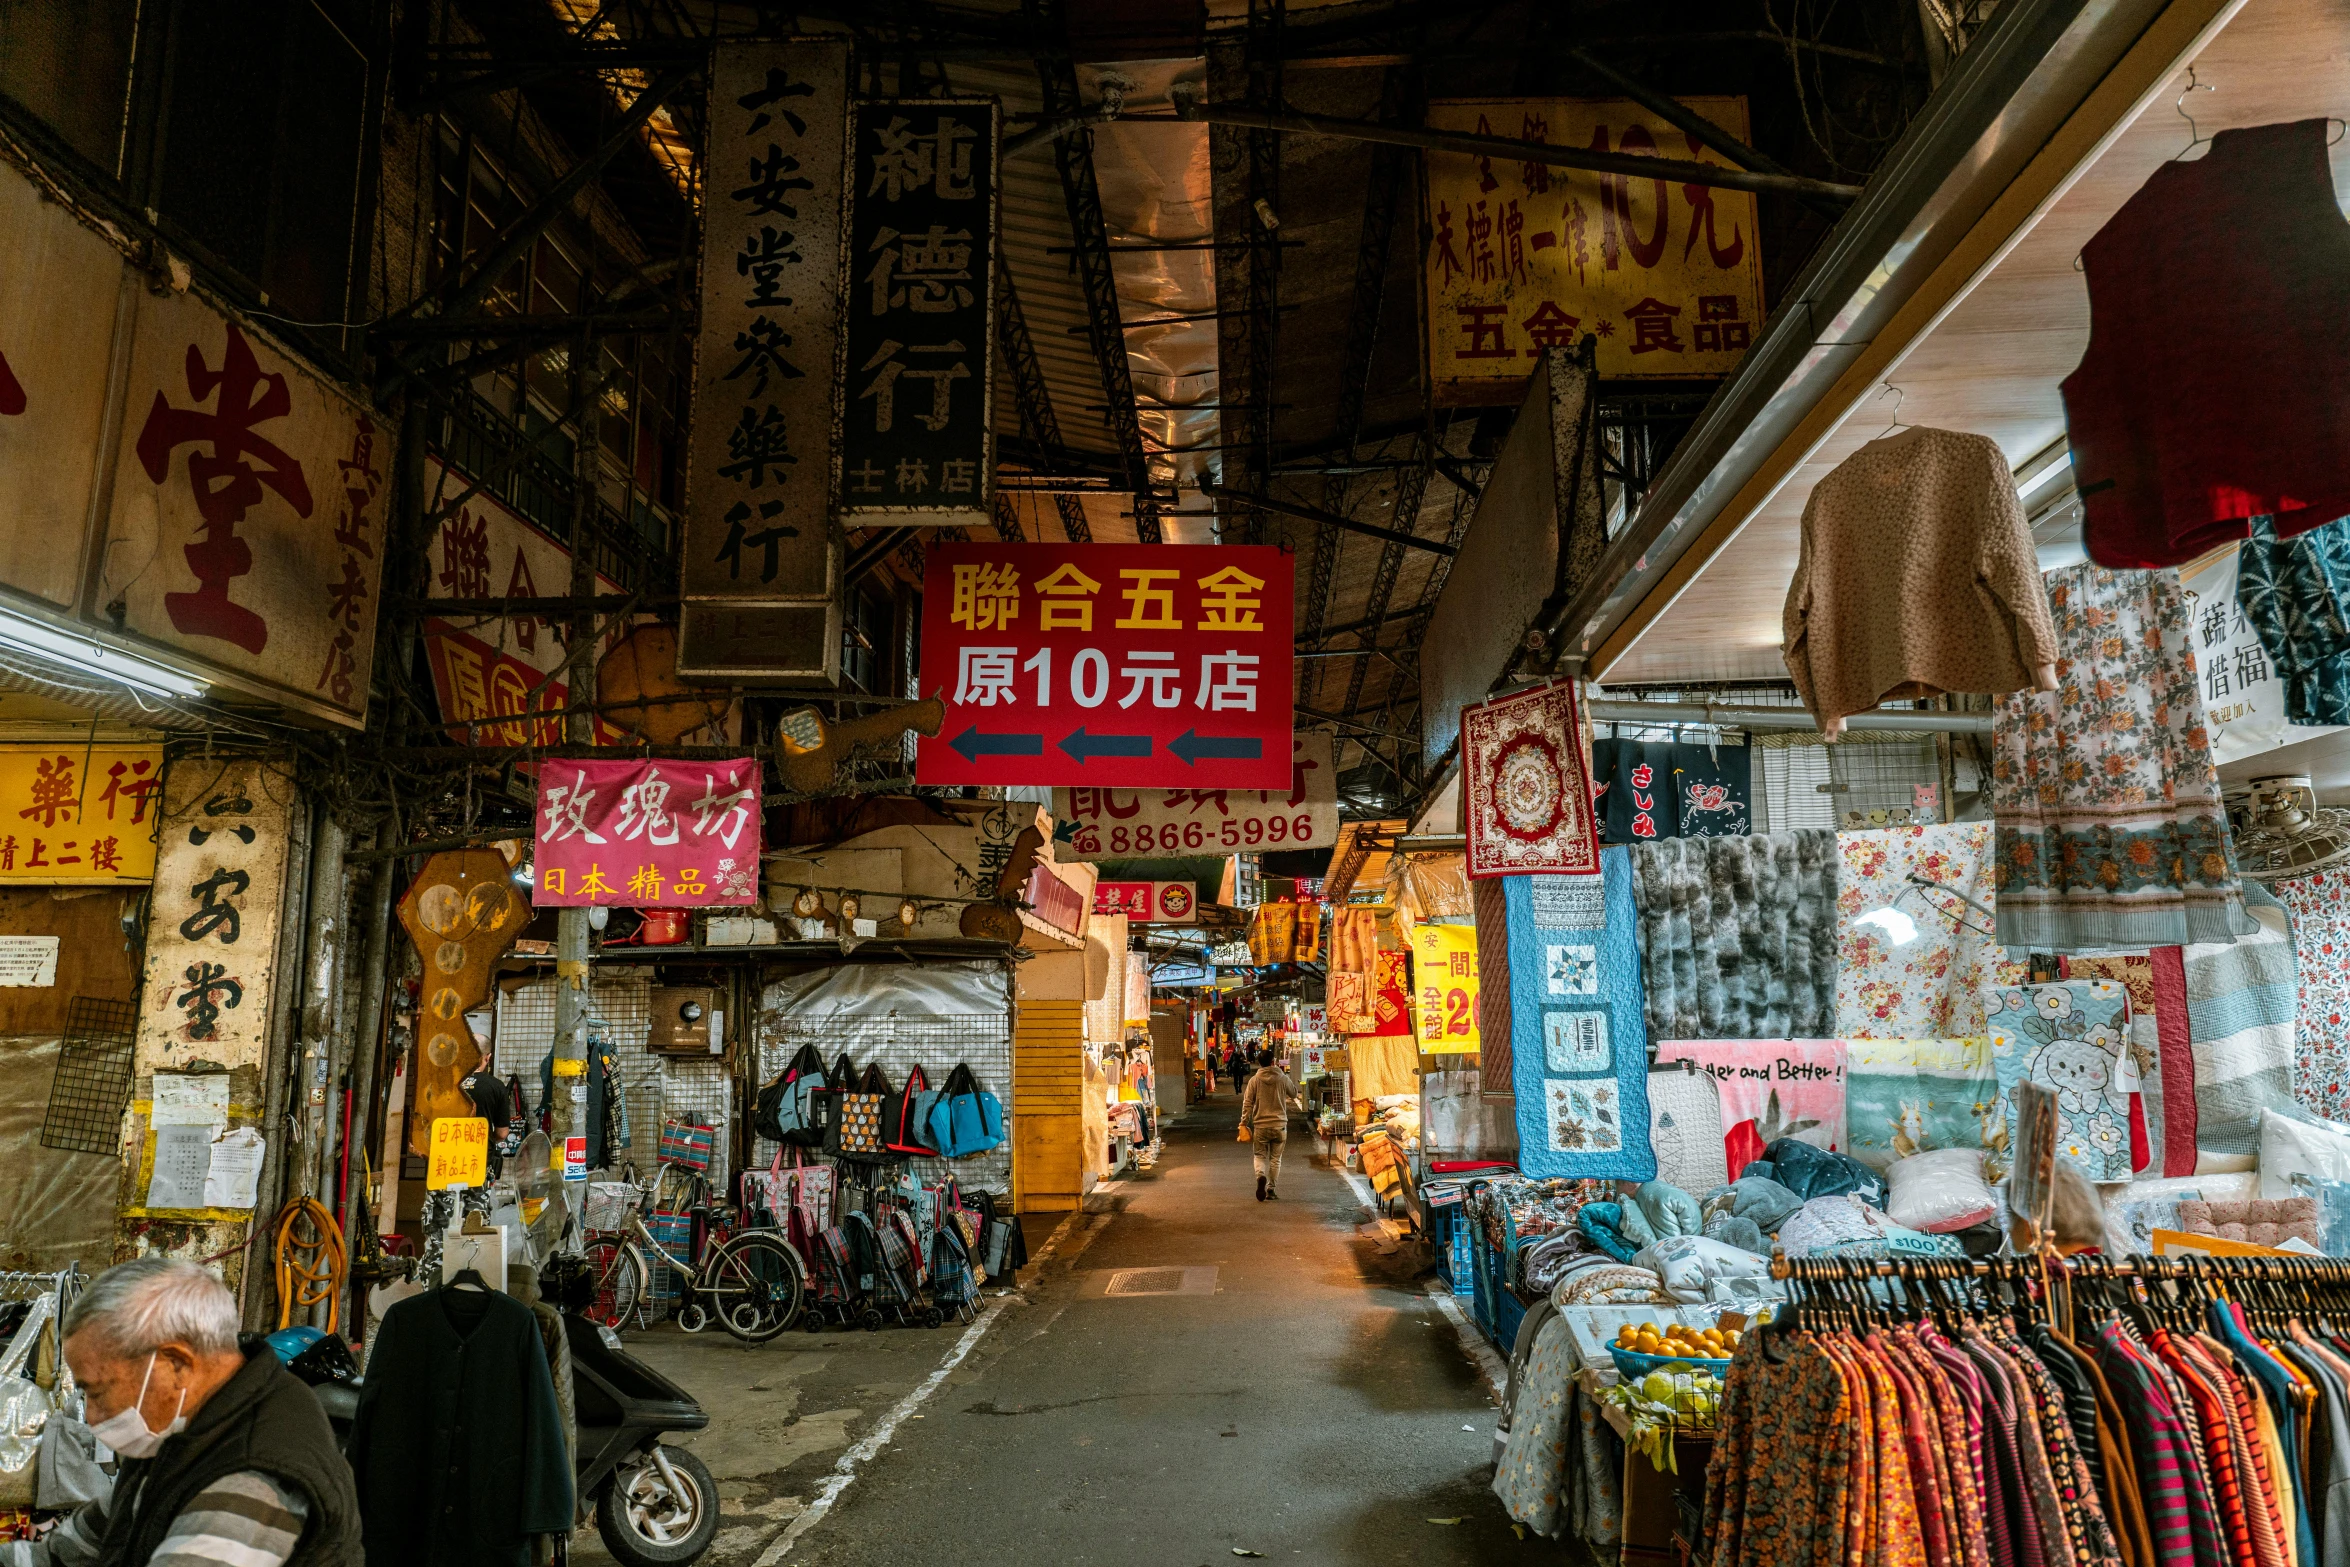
(753, 1283)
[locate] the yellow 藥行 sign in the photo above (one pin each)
(1444, 987)
(1525, 256)
(460, 1153)
(78, 814)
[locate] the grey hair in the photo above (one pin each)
(136, 1306)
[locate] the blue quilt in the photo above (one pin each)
(1578, 1036)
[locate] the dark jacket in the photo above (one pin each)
(265, 1419)
(459, 1446)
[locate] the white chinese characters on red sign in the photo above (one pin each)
(1147, 902)
(1117, 664)
(647, 834)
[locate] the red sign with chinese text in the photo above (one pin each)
(1126, 665)
(647, 834)
(1147, 902)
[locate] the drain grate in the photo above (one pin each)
(1136, 1283)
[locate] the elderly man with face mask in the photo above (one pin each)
(224, 1456)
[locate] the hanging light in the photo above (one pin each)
(809, 904)
(908, 914)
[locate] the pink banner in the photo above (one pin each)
(647, 834)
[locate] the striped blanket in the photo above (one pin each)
(2236, 1002)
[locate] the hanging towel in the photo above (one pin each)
(1738, 935)
(2111, 835)
(1579, 1043)
(2320, 906)
(2073, 1039)
(1769, 1088)
(2239, 1004)
(1912, 1096)
(1916, 970)
(1685, 1127)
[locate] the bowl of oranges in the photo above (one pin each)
(1645, 1347)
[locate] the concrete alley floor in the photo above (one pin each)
(1298, 1394)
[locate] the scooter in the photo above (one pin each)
(656, 1506)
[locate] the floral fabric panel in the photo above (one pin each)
(1916, 969)
(2320, 906)
(1912, 1096)
(2073, 1039)
(2110, 831)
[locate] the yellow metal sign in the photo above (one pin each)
(77, 813)
(460, 1153)
(1444, 987)
(1523, 256)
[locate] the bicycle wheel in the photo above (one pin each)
(754, 1285)
(618, 1270)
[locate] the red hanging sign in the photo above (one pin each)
(647, 833)
(1131, 665)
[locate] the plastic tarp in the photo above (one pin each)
(879, 990)
(56, 1207)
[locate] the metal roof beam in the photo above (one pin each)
(1032, 397)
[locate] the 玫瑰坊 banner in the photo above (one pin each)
(1133, 666)
(649, 833)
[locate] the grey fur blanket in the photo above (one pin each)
(1738, 935)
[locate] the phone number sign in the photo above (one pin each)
(1134, 666)
(1109, 824)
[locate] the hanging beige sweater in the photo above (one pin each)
(1917, 577)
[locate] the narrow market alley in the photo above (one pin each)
(1284, 1387)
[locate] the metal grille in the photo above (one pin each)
(93, 1079)
(937, 1044)
(656, 1087)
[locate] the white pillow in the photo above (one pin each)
(1940, 1191)
(2288, 1146)
(1693, 1266)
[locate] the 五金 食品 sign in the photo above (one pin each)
(1126, 665)
(1667, 276)
(647, 834)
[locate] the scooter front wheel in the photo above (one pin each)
(659, 1510)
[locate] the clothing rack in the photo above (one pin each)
(2269, 1270)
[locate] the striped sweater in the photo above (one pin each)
(244, 1520)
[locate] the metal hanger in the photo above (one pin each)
(1900, 396)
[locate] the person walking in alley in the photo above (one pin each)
(1264, 1110)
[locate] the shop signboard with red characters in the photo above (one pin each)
(1147, 902)
(1129, 666)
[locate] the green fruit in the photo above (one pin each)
(1657, 1387)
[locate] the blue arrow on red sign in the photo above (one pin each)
(1084, 747)
(975, 745)
(1192, 748)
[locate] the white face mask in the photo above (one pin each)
(126, 1430)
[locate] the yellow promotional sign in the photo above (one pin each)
(1526, 256)
(460, 1153)
(79, 813)
(1444, 987)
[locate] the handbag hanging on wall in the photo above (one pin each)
(857, 1131)
(901, 1122)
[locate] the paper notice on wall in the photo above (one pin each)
(28, 960)
(233, 1179)
(183, 1159)
(190, 1099)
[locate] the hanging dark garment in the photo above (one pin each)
(2216, 386)
(1646, 790)
(2296, 595)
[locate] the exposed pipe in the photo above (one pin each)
(1331, 518)
(1637, 167)
(1725, 716)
